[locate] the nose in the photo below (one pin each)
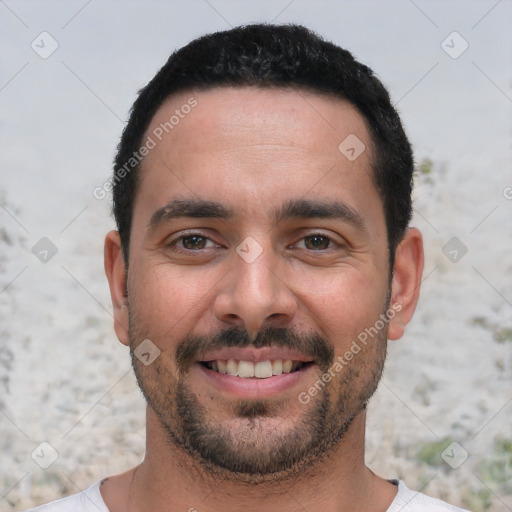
(254, 295)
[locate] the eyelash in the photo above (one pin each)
(174, 243)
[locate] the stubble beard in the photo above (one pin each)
(253, 448)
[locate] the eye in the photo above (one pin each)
(192, 242)
(316, 242)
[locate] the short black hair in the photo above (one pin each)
(274, 56)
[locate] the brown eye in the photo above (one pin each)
(194, 242)
(317, 242)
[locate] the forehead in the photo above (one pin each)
(224, 116)
(256, 148)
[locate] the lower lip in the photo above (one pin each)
(254, 387)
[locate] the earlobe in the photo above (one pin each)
(405, 287)
(115, 269)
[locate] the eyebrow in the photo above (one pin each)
(197, 208)
(319, 209)
(294, 208)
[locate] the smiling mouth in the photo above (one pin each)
(259, 370)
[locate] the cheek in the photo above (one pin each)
(345, 304)
(167, 298)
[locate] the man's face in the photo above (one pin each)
(281, 255)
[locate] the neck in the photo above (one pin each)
(168, 479)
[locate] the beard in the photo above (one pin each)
(260, 440)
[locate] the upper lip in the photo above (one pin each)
(253, 354)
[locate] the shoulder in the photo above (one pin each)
(407, 500)
(89, 500)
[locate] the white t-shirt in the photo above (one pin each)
(406, 500)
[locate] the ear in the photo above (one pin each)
(405, 286)
(115, 269)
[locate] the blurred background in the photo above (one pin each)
(70, 410)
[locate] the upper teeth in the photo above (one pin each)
(261, 369)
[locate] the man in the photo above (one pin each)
(262, 193)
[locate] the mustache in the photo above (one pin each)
(311, 344)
